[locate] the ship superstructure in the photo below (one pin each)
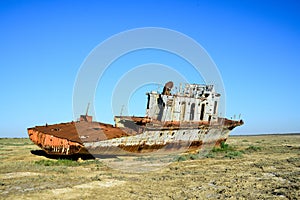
(193, 102)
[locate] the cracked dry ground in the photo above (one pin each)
(268, 168)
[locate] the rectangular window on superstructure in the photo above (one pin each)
(202, 111)
(148, 101)
(215, 107)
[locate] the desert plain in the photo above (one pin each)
(245, 167)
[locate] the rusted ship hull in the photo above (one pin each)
(104, 139)
(178, 122)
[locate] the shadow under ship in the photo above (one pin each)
(180, 122)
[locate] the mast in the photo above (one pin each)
(87, 109)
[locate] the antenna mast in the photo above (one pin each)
(87, 109)
(122, 108)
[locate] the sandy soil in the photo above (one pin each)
(254, 167)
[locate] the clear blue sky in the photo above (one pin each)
(255, 44)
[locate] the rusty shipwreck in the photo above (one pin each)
(183, 121)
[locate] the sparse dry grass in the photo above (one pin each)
(264, 167)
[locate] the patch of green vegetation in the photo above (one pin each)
(224, 151)
(64, 162)
(194, 156)
(245, 141)
(233, 154)
(144, 158)
(185, 157)
(6, 150)
(181, 158)
(224, 147)
(59, 162)
(253, 148)
(210, 155)
(3, 157)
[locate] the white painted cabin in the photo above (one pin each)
(193, 102)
